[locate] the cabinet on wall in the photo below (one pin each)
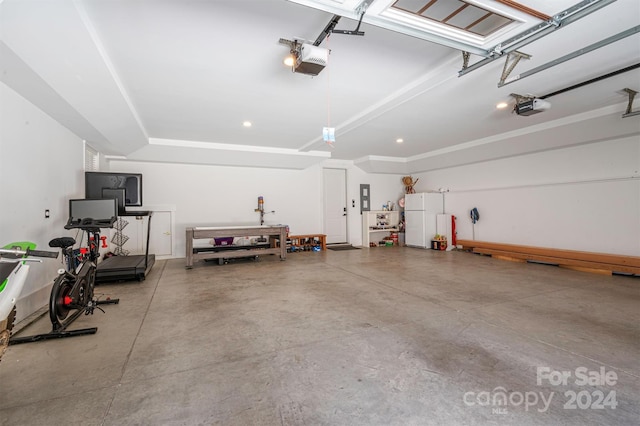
(378, 224)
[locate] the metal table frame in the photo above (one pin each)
(270, 231)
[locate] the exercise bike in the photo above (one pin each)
(14, 268)
(72, 293)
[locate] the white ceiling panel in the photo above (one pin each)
(122, 74)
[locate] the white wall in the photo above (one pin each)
(41, 167)
(211, 195)
(581, 198)
(384, 187)
(208, 195)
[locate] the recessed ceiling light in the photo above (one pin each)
(502, 105)
(399, 140)
(246, 123)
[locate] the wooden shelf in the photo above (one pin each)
(375, 224)
(304, 242)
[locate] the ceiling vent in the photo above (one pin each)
(311, 59)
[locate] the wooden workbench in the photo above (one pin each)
(269, 231)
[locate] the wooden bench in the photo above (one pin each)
(300, 240)
(571, 259)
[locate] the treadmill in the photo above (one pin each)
(130, 267)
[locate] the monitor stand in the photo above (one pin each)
(127, 268)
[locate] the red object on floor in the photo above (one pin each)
(454, 240)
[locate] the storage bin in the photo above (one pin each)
(223, 241)
(439, 244)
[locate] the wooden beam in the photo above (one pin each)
(559, 261)
(509, 258)
(525, 9)
(590, 270)
(604, 258)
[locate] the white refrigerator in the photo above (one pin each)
(420, 215)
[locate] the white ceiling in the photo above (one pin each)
(173, 81)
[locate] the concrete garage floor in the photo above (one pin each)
(382, 336)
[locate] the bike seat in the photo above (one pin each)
(62, 242)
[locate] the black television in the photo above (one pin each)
(98, 185)
(119, 195)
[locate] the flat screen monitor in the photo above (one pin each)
(98, 210)
(96, 182)
(118, 194)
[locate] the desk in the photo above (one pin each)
(271, 231)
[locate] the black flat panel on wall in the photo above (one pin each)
(96, 182)
(365, 196)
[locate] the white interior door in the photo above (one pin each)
(161, 240)
(335, 205)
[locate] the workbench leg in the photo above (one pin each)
(189, 248)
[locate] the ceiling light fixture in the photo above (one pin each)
(246, 124)
(289, 60)
(306, 58)
(399, 140)
(502, 105)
